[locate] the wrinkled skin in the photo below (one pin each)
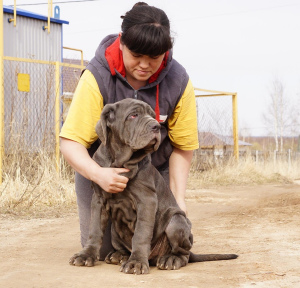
(147, 224)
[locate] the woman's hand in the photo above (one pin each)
(110, 180)
(78, 157)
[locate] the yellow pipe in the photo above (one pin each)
(1, 92)
(214, 91)
(235, 126)
(15, 14)
(57, 114)
(41, 62)
(28, 60)
(49, 15)
(51, 10)
(76, 50)
(212, 95)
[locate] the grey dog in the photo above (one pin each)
(148, 227)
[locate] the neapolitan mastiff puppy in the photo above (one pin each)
(147, 224)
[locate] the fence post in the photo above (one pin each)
(57, 114)
(235, 126)
(289, 158)
(256, 157)
(1, 92)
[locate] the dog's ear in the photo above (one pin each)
(107, 116)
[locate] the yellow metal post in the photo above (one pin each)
(49, 16)
(235, 126)
(15, 13)
(1, 92)
(57, 114)
(51, 8)
(213, 93)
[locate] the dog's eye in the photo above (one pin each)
(133, 116)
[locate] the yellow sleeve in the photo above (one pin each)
(84, 111)
(183, 131)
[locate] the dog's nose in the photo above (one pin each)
(155, 127)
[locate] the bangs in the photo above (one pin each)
(152, 40)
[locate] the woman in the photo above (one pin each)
(137, 63)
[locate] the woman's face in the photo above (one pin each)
(139, 68)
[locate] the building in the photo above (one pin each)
(30, 78)
(219, 145)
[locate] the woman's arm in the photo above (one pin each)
(179, 167)
(79, 159)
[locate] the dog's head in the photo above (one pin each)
(132, 122)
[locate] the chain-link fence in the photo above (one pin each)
(214, 117)
(29, 106)
(217, 127)
(71, 72)
(36, 97)
(30, 98)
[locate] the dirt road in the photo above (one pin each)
(260, 223)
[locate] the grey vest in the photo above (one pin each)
(172, 82)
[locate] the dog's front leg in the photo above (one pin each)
(138, 262)
(99, 219)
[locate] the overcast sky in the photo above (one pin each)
(228, 45)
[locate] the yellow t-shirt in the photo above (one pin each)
(87, 105)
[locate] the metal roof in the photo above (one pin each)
(21, 12)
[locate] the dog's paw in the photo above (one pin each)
(82, 259)
(135, 267)
(171, 262)
(116, 257)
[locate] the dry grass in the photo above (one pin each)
(32, 186)
(244, 172)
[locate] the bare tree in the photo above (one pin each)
(295, 121)
(277, 117)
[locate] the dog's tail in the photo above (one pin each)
(210, 257)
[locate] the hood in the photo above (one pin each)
(110, 56)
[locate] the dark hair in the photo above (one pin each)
(146, 30)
